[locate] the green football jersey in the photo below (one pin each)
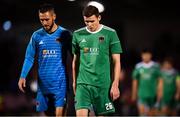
(147, 76)
(169, 83)
(95, 49)
(178, 77)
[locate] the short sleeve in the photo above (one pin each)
(67, 37)
(178, 77)
(75, 46)
(135, 74)
(115, 45)
(159, 73)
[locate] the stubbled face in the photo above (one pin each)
(92, 22)
(146, 57)
(47, 20)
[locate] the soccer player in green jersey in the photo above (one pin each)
(94, 47)
(147, 83)
(170, 87)
(177, 97)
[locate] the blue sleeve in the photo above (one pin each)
(29, 58)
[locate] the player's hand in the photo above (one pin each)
(22, 84)
(159, 96)
(133, 98)
(74, 88)
(115, 93)
(177, 96)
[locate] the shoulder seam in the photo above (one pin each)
(79, 29)
(115, 42)
(138, 65)
(108, 28)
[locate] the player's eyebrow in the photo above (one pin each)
(89, 20)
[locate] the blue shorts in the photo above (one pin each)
(52, 100)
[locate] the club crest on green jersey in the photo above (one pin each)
(101, 38)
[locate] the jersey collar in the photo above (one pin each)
(95, 31)
(148, 65)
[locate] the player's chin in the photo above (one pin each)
(46, 28)
(92, 29)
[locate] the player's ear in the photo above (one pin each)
(54, 16)
(99, 17)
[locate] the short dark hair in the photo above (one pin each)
(46, 7)
(146, 50)
(169, 59)
(90, 10)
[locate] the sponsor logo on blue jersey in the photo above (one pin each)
(49, 53)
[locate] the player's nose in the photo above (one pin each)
(89, 24)
(44, 23)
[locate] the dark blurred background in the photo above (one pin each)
(140, 24)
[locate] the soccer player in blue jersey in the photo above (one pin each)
(51, 44)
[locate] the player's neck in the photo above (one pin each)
(147, 62)
(54, 28)
(98, 27)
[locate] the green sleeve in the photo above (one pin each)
(75, 48)
(159, 72)
(178, 77)
(135, 74)
(115, 45)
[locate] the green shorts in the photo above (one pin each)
(168, 102)
(88, 96)
(147, 102)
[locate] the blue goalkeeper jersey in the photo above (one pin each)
(51, 52)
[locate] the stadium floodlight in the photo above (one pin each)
(98, 5)
(71, 0)
(7, 25)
